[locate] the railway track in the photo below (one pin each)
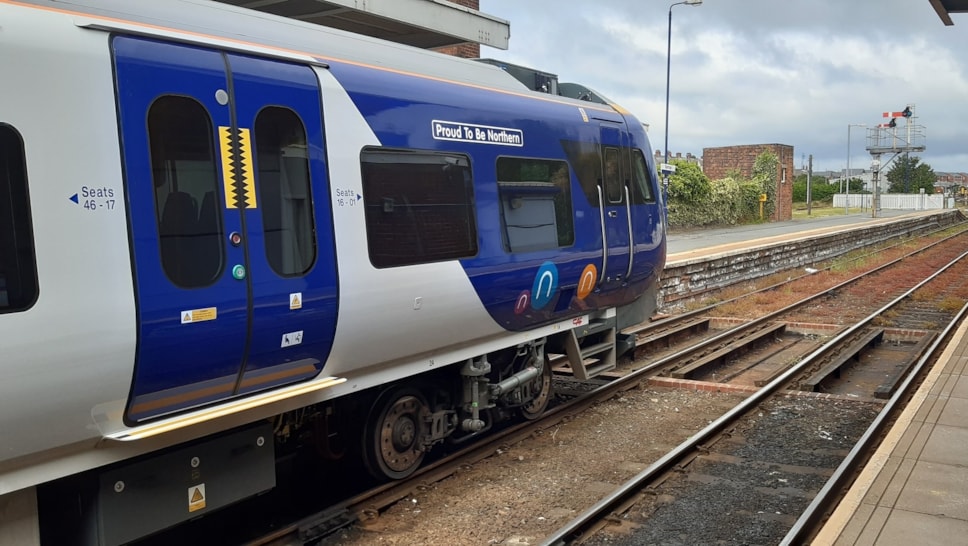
(762, 455)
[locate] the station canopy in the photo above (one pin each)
(946, 7)
(420, 23)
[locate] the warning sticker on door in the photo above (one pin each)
(199, 315)
(291, 338)
(196, 497)
(295, 301)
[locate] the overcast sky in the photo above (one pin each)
(792, 72)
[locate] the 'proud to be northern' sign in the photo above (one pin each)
(482, 134)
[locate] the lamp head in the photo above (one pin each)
(693, 2)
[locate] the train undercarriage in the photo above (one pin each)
(405, 420)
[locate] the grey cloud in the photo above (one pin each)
(747, 71)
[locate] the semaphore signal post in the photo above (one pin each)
(893, 138)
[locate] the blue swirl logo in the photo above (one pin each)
(545, 285)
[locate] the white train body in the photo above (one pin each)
(109, 350)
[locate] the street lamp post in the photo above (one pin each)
(847, 179)
(665, 174)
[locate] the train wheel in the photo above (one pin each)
(391, 439)
(541, 385)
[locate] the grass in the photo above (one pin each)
(820, 211)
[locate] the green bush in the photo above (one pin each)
(695, 201)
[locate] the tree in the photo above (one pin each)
(909, 175)
(856, 185)
(688, 185)
(820, 189)
(689, 195)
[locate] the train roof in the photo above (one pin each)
(205, 21)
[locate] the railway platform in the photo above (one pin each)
(703, 242)
(914, 490)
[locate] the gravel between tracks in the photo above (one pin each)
(528, 490)
(756, 485)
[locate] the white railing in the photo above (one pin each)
(897, 201)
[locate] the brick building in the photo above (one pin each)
(718, 162)
(960, 179)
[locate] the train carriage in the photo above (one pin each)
(217, 226)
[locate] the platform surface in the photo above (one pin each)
(914, 490)
(688, 244)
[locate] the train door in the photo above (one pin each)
(615, 206)
(230, 224)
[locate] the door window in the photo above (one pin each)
(643, 186)
(613, 175)
(284, 191)
(18, 268)
(186, 183)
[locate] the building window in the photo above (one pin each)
(186, 189)
(284, 191)
(643, 179)
(419, 206)
(18, 266)
(536, 205)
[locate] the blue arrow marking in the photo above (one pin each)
(73, 198)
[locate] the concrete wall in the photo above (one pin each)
(689, 278)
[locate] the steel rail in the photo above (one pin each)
(810, 517)
(574, 528)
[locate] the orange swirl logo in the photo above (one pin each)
(587, 281)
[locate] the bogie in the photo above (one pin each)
(394, 436)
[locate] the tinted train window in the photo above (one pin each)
(535, 203)
(18, 268)
(586, 159)
(284, 191)
(419, 207)
(613, 175)
(643, 192)
(186, 191)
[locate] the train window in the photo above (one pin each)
(284, 191)
(613, 175)
(642, 187)
(419, 206)
(586, 160)
(186, 191)
(535, 203)
(18, 267)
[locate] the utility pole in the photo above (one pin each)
(875, 167)
(809, 176)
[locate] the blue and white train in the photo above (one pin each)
(221, 230)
